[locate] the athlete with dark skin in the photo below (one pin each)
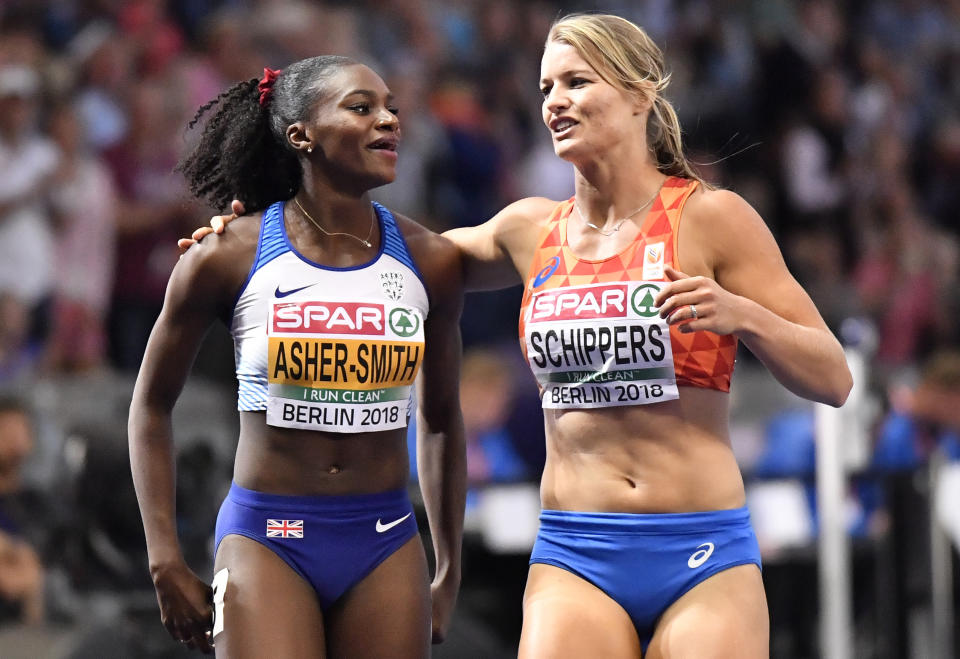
(342, 137)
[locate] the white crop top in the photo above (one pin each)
(331, 349)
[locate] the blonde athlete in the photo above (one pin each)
(637, 292)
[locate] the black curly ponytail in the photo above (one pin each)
(243, 152)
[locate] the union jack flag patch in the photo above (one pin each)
(284, 528)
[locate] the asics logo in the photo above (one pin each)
(700, 556)
(381, 527)
(552, 264)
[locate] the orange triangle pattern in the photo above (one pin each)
(700, 359)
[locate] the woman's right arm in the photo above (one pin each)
(191, 305)
(497, 253)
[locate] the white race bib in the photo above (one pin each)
(601, 345)
(342, 366)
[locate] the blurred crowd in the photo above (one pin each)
(838, 121)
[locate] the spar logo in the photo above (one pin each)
(642, 300)
(580, 303)
(404, 322)
(328, 318)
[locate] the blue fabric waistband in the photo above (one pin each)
(318, 503)
(642, 523)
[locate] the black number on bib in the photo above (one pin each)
(635, 392)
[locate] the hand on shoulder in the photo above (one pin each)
(217, 225)
(216, 267)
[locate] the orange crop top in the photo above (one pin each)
(589, 329)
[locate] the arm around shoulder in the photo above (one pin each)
(497, 253)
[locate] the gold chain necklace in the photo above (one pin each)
(622, 220)
(363, 241)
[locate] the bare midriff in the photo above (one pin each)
(307, 462)
(663, 458)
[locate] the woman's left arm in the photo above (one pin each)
(753, 295)
(441, 446)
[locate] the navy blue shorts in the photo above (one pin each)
(645, 562)
(333, 542)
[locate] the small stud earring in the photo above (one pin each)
(309, 149)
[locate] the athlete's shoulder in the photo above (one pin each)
(227, 256)
(419, 237)
(530, 210)
(720, 210)
(516, 228)
(436, 256)
(716, 202)
(723, 227)
(241, 233)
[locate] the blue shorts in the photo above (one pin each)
(645, 562)
(333, 542)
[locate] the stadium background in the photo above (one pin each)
(838, 121)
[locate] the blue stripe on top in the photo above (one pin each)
(272, 243)
(251, 392)
(393, 242)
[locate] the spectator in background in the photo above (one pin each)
(21, 571)
(814, 155)
(153, 205)
(17, 354)
(84, 204)
(27, 162)
(935, 398)
(221, 32)
(939, 189)
(903, 277)
(155, 38)
(423, 139)
(104, 67)
(486, 396)
(922, 417)
(464, 186)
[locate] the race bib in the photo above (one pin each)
(602, 345)
(342, 366)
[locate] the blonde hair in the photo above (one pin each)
(626, 57)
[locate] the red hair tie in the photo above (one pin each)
(266, 84)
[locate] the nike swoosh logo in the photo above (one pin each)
(381, 527)
(279, 293)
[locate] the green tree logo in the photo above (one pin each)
(642, 300)
(403, 322)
